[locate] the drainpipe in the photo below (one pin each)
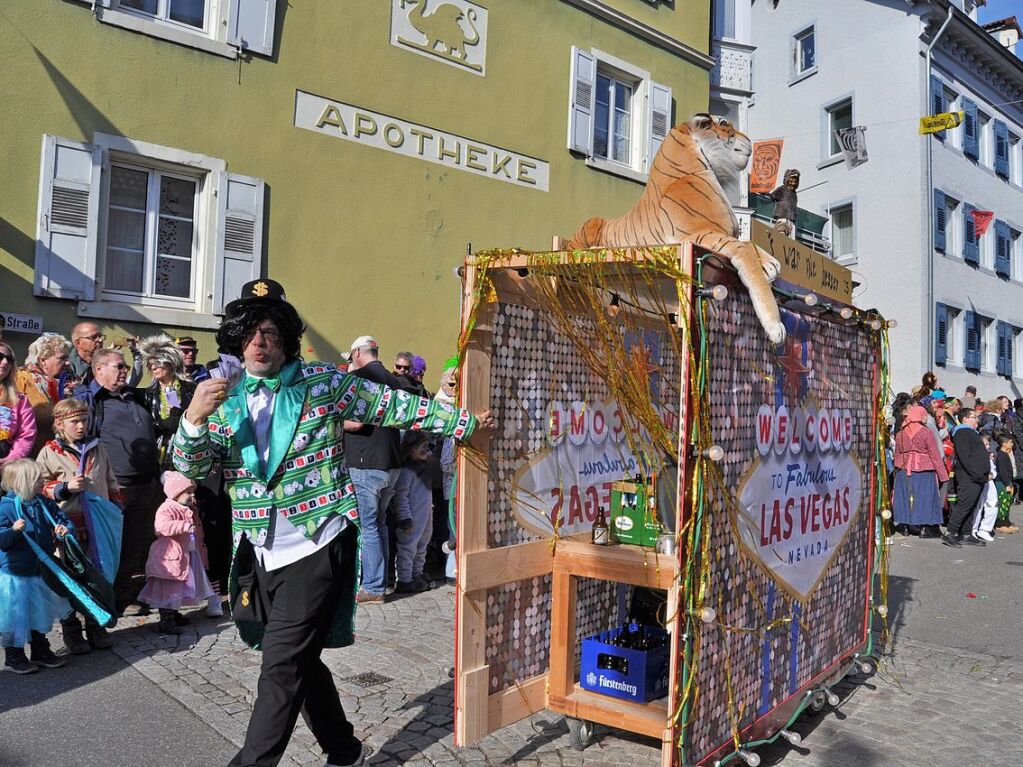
(929, 196)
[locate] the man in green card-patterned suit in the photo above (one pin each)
(277, 432)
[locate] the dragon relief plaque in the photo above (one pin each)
(451, 31)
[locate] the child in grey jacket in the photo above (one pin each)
(413, 505)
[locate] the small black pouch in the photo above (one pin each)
(247, 602)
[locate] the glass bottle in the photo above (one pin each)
(601, 532)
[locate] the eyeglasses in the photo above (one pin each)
(96, 337)
(273, 335)
(402, 367)
(118, 365)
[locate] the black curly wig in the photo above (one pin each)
(237, 329)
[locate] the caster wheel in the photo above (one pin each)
(817, 704)
(580, 733)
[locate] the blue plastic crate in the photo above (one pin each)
(634, 675)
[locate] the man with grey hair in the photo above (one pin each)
(120, 419)
(87, 339)
(374, 459)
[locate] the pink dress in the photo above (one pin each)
(175, 575)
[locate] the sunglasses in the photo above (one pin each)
(402, 367)
(118, 365)
(8, 357)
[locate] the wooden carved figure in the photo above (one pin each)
(684, 200)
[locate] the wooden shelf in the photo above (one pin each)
(644, 718)
(621, 563)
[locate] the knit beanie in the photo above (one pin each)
(175, 483)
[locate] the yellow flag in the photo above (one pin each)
(938, 123)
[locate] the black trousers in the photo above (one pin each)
(140, 502)
(967, 501)
(300, 599)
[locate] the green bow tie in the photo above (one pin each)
(252, 383)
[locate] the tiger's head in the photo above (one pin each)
(726, 150)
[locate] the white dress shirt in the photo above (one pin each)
(286, 543)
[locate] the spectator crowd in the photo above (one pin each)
(957, 463)
(79, 438)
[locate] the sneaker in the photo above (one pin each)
(930, 531)
(45, 657)
(366, 598)
(98, 637)
(972, 540)
(19, 664)
(358, 762)
(424, 583)
(214, 607)
(952, 541)
(75, 643)
(984, 535)
(168, 626)
(136, 610)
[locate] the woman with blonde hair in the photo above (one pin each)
(45, 380)
(170, 393)
(17, 420)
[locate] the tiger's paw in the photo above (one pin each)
(770, 265)
(775, 332)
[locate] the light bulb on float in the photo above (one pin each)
(714, 453)
(749, 757)
(810, 299)
(846, 313)
(718, 292)
(792, 737)
(886, 513)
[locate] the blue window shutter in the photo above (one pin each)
(1000, 365)
(971, 143)
(941, 334)
(1003, 263)
(1010, 340)
(971, 250)
(939, 220)
(1001, 149)
(937, 102)
(972, 356)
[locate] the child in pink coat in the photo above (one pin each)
(175, 570)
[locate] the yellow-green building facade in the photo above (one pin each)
(159, 153)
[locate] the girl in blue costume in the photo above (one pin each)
(28, 607)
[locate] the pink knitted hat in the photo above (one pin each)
(175, 483)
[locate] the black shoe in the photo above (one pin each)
(951, 540)
(167, 626)
(930, 531)
(357, 761)
(181, 620)
(913, 529)
(969, 540)
(75, 643)
(17, 662)
(406, 587)
(98, 637)
(43, 656)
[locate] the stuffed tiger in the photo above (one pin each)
(683, 200)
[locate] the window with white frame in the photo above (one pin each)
(1015, 160)
(955, 336)
(804, 51)
(131, 229)
(843, 235)
(986, 246)
(723, 19)
(953, 136)
(224, 27)
(618, 116)
(836, 116)
(1016, 252)
(988, 344)
(985, 141)
(953, 227)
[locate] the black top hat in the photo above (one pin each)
(258, 291)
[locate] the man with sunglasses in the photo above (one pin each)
(86, 340)
(120, 419)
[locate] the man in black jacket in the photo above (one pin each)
(972, 471)
(374, 459)
(118, 415)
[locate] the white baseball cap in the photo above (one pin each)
(363, 341)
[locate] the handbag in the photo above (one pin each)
(247, 603)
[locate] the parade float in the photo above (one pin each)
(677, 529)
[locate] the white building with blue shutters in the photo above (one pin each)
(902, 221)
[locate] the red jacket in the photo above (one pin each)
(169, 557)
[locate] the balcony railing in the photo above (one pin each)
(809, 226)
(733, 70)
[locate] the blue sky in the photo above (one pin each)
(999, 9)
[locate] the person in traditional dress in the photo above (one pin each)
(919, 470)
(45, 379)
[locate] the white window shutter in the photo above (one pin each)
(580, 97)
(659, 120)
(68, 219)
(250, 25)
(239, 236)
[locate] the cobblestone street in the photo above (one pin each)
(949, 695)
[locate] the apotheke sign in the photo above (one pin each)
(363, 126)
